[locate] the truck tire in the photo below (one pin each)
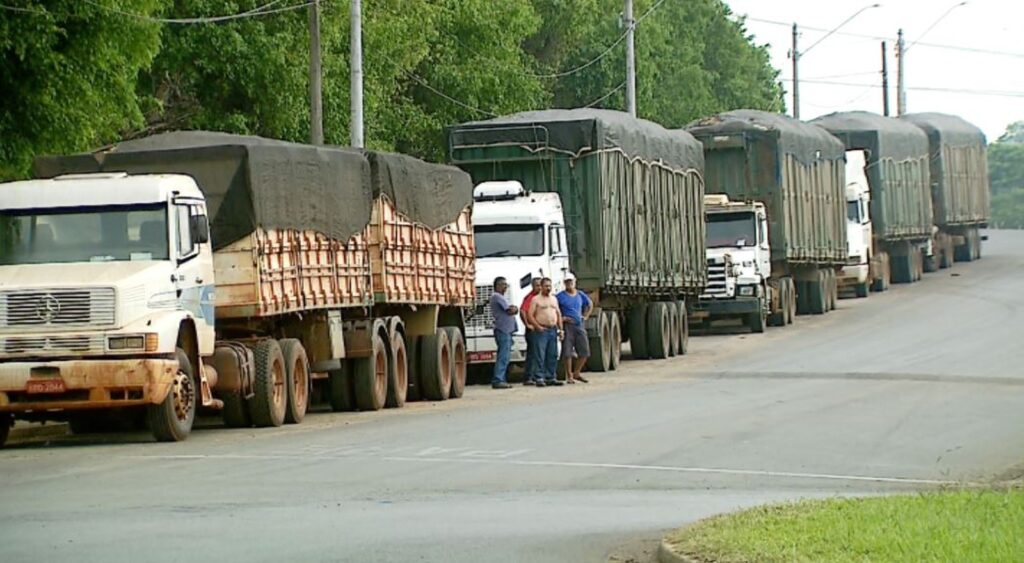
(270, 394)
(659, 331)
(931, 263)
(6, 422)
(965, 252)
(296, 364)
(457, 345)
(833, 289)
(977, 245)
(171, 420)
(616, 344)
(673, 325)
(792, 300)
(415, 390)
(817, 300)
(638, 331)
(861, 290)
(881, 283)
(777, 317)
(757, 321)
(398, 372)
(371, 376)
(342, 393)
(903, 268)
(684, 327)
(435, 366)
(600, 346)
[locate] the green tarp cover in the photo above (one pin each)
(251, 182)
(883, 137)
(581, 131)
(804, 141)
(947, 129)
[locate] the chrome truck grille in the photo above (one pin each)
(52, 345)
(716, 279)
(57, 308)
(481, 321)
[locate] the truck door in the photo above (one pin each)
(558, 256)
(193, 277)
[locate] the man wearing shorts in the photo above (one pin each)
(544, 315)
(575, 307)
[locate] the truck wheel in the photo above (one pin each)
(6, 422)
(412, 351)
(171, 420)
(342, 390)
(965, 252)
(270, 393)
(371, 376)
(235, 412)
(435, 366)
(296, 365)
(673, 329)
(659, 331)
(931, 263)
(638, 331)
(756, 322)
(816, 297)
(778, 316)
(789, 290)
(398, 372)
(684, 328)
(616, 344)
(902, 269)
(600, 347)
(833, 290)
(977, 244)
(862, 289)
(457, 345)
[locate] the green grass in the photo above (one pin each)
(942, 526)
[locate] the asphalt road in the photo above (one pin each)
(911, 389)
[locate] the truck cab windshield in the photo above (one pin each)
(731, 229)
(509, 240)
(853, 211)
(93, 234)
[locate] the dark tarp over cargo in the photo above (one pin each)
(947, 129)
(883, 137)
(807, 143)
(252, 182)
(578, 131)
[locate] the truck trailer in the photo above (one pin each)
(777, 230)
(959, 184)
(619, 200)
(894, 158)
(202, 270)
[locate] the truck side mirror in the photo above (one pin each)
(200, 228)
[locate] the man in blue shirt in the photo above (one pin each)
(576, 308)
(504, 327)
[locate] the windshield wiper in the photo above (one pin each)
(494, 254)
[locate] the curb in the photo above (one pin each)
(36, 432)
(666, 554)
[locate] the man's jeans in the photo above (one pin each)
(532, 365)
(504, 341)
(546, 342)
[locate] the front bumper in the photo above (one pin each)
(734, 307)
(85, 384)
(483, 349)
(852, 275)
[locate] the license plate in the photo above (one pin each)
(481, 356)
(45, 386)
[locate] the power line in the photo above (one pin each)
(437, 92)
(883, 38)
(998, 93)
(606, 96)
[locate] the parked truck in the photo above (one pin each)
(777, 228)
(619, 200)
(199, 270)
(959, 185)
(895, 161)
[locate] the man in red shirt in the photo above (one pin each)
(531, 347)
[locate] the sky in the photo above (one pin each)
(936, 77)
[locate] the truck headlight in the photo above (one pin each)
(747, 291)
(134, 343)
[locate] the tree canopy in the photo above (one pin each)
(1006, 177)
(78, 74)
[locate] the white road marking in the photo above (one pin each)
(504, 458)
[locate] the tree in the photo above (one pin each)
(68, 71)
(1006, 177)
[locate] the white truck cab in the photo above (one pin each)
(739, 262)
(519, 235)
(856, 273)
(105, 280)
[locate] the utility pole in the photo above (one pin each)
(630, 60)
(795, 55)
(901, 82)
(316, 105)
(356, 74)
(885, 79)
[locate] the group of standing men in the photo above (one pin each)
(549, 319)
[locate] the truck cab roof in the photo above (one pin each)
(96, 189)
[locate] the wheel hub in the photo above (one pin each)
(184, 395)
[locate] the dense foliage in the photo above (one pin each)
(81, 73)
(1006, 177)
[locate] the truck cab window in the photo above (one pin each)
(186, 247)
